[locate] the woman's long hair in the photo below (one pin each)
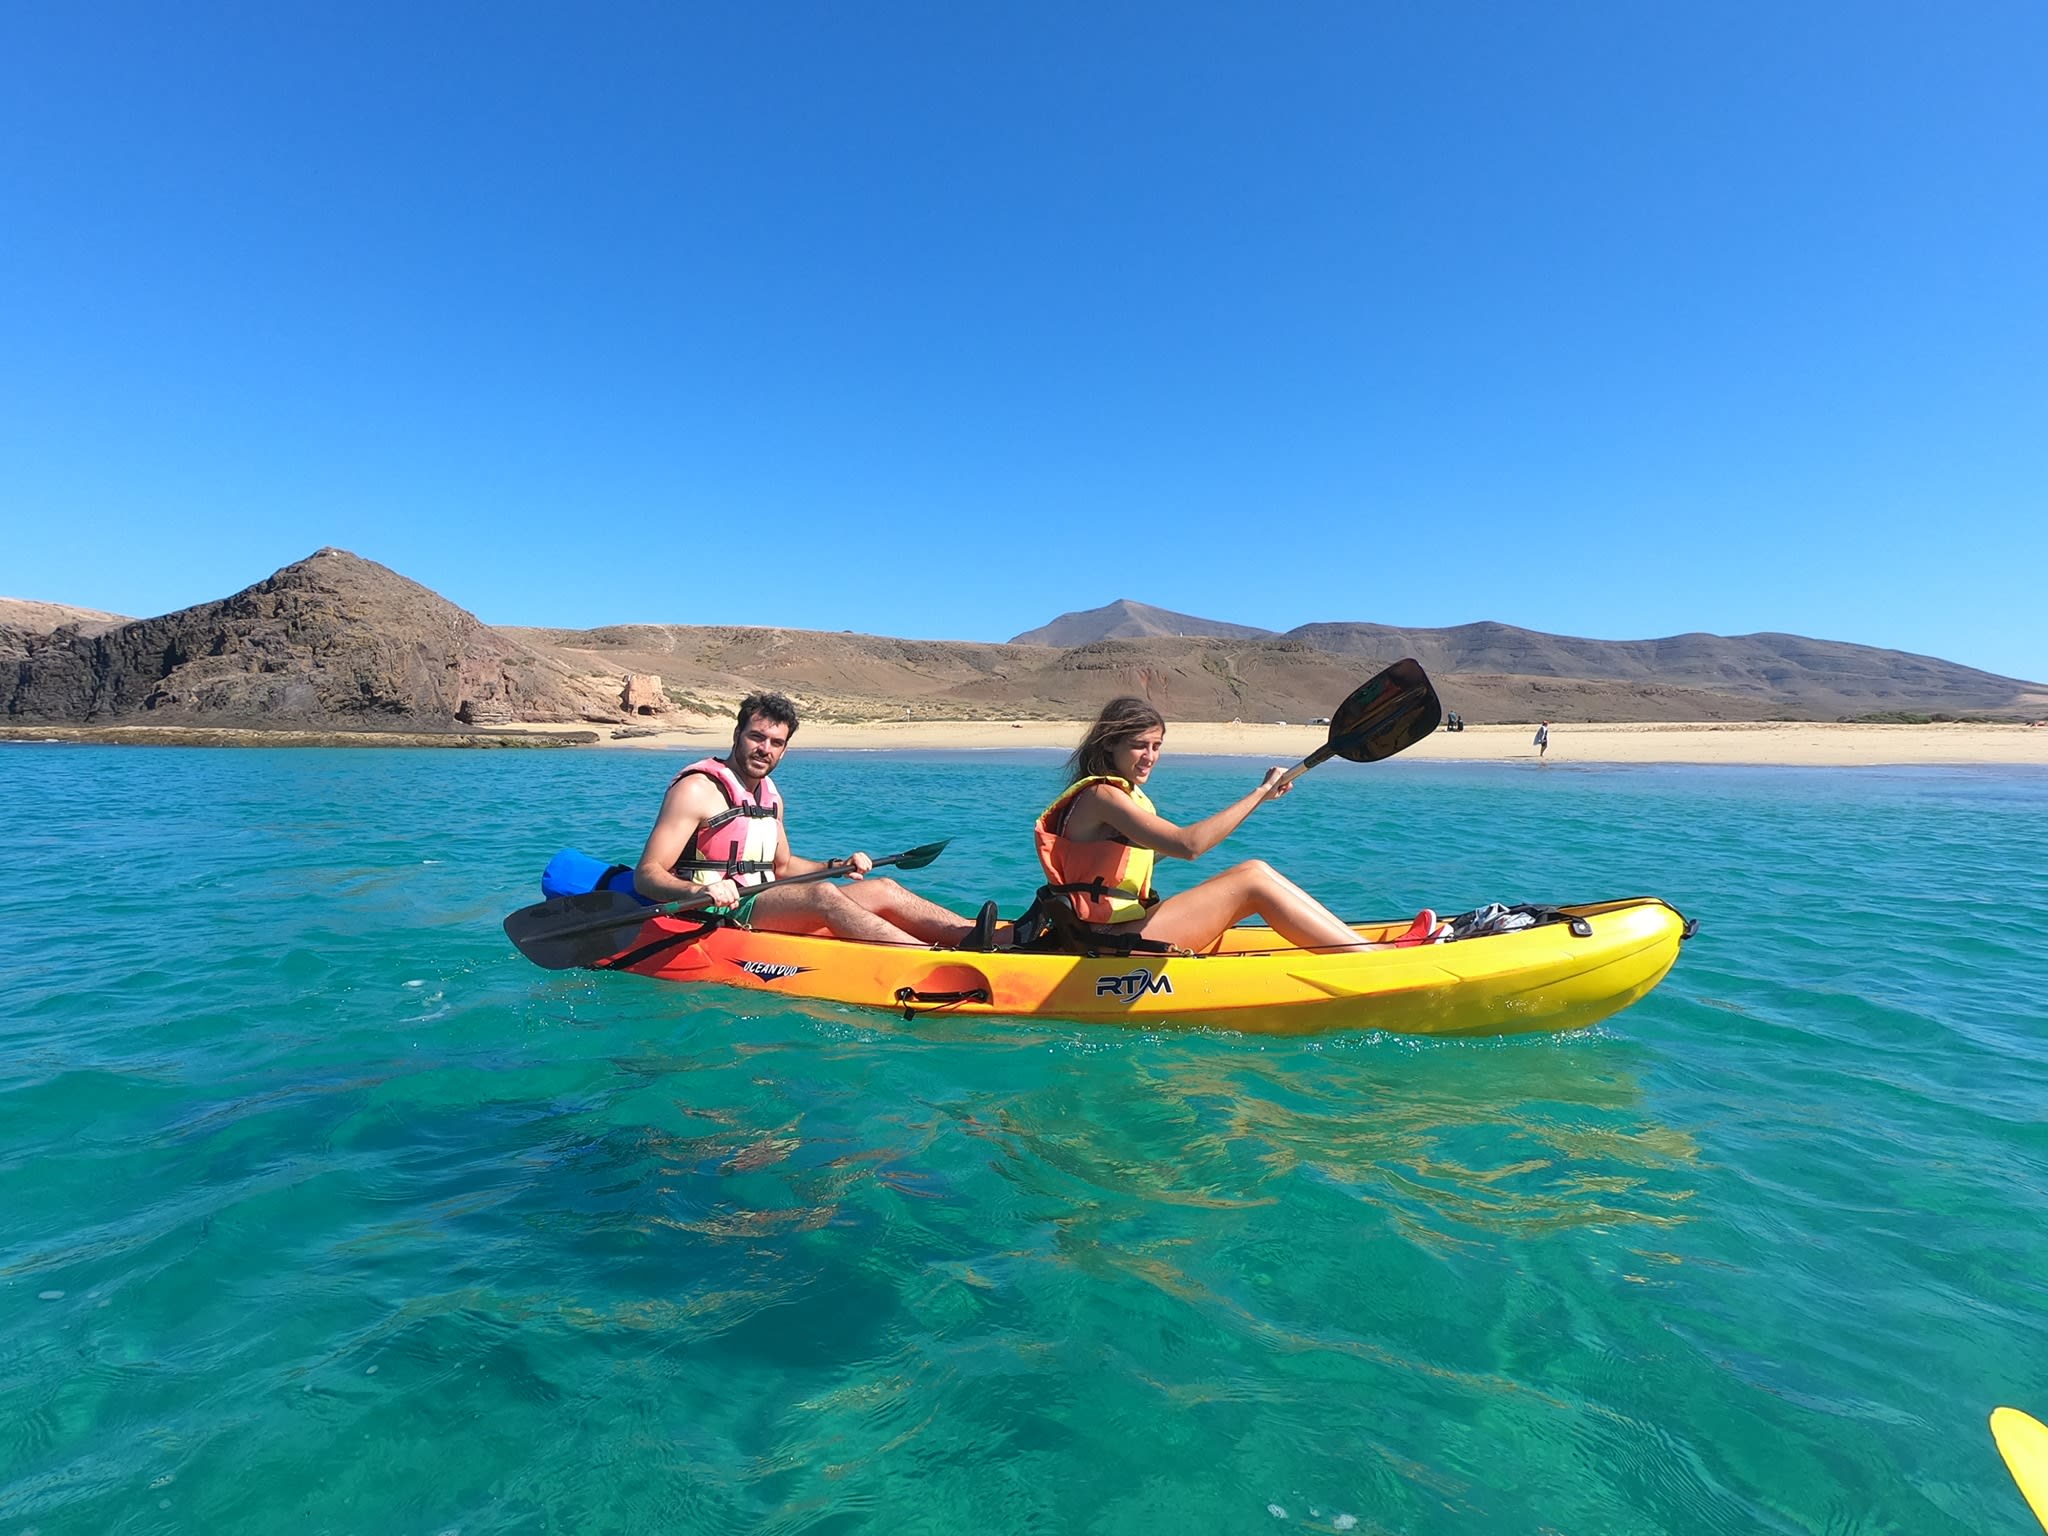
(1120, 720)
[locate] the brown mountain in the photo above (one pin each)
(1126, 620)
(1762, 674)
(332, 640)
(864, 677)
(340, 642)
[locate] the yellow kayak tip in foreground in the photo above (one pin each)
(2023, 1442)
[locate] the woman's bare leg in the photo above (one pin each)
(1196, 919)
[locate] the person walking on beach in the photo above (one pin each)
(1103, 836)
(1542, 740)
(722, 831)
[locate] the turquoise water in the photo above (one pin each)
(322, 1211)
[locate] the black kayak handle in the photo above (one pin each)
(909, 997)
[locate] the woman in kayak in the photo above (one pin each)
(1099, 839)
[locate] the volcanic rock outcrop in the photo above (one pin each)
(332, 640)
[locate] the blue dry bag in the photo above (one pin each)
(573, 873)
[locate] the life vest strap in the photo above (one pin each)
(1099, 889)
(687, 868)
(749, 812)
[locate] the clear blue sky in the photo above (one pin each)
(1610, 319)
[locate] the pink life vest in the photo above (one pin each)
(739, 843)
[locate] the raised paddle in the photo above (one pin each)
(562, 933)
(1386, 715)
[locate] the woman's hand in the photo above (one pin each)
(1275, 784)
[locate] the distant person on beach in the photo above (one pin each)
(1103, 827)
(1542, 740)
(722, 832)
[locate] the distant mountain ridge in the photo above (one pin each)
(1825, 677)
(338, 642)
(1126, 620)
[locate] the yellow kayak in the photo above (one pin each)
(1561, 975)
(2023, 1442)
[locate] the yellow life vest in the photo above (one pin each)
(1109, 881)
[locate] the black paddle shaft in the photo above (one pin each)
(540, 931)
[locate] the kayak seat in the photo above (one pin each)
(983, 938)
(1051, 926)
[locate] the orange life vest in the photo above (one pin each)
(1108, 881)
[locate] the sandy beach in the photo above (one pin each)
(1819, 744)
(1816, 745)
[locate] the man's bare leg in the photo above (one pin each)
(926, 920)
(801, 908)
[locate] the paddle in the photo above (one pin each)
(548, 932)
(1387, 715)
(2023, 1442)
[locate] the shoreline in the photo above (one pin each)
(1747, 743)
(1753, 744)
(540, 738)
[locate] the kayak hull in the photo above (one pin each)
(1537, 980)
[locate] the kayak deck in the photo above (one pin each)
(1538, 979)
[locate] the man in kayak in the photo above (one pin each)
(721, 832)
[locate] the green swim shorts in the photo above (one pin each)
(742, 912)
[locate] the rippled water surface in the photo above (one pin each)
(321, 1210)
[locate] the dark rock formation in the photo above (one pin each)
(332, 640)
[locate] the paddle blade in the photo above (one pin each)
(1387, 715)
(917, 858)
(572, 931)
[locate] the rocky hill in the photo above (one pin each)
(332, 640)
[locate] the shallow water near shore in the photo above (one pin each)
(324, 1211)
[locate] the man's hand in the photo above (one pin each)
(723, 893)
(859, 862)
